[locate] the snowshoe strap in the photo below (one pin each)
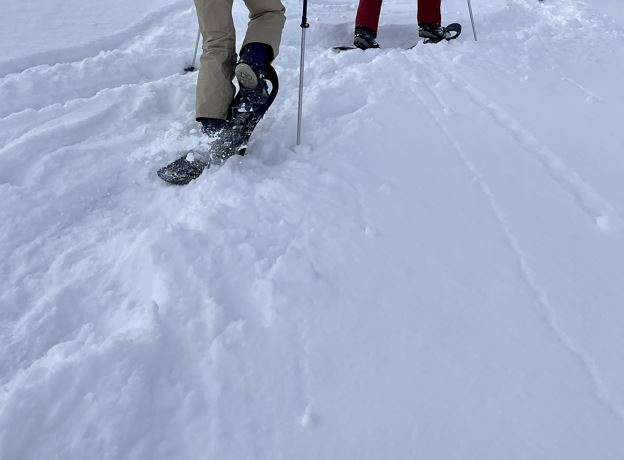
(272, 77)
(452, 31)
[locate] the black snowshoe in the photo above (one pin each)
(247, 109)
(434, 34)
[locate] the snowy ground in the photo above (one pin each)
(437, 273)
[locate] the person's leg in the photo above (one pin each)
(215, 89)
(429, 12)
(266, 22)
(368, 14)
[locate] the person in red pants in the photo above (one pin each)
(367, 21)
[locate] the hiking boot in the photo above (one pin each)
(364, 38)
(255, 59)
(252, 66)
(431, 33)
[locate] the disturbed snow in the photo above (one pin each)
(436, 273)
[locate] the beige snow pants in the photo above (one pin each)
(215, 90)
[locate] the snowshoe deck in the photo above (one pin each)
(338, 49)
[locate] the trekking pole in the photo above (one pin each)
(474, 31)
(192, 68)
(304, 26)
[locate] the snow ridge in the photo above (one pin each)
(79, 52)
(152, 55)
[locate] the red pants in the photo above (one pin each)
(368, 13)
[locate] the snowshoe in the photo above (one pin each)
(247, 109)
(434, 34)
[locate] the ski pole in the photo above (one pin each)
(474, 31)
(192, 68)
(304, 26)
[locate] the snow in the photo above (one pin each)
(436, 273)
(45, 32)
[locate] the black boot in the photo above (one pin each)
(251, 70)
(211, 126)
(364, 38)
(253, 63)
(431, 33)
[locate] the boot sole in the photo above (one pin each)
(246, 76)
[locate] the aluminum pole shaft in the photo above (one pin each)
(304, 26)
(474, 31)
(301, 70)
(197, 47)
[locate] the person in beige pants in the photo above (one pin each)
(215, 90)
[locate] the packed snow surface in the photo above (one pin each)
(436, 273)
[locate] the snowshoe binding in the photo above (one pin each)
(434, 34)
(364, 38)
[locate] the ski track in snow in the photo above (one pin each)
(528, 274)
(600, 210)
(92, 264)
(590, 95)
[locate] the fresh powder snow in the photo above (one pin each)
(436, 273)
